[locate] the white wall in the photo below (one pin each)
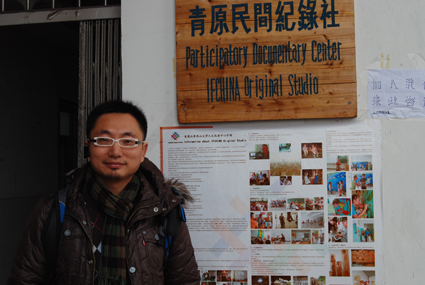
(389, 27)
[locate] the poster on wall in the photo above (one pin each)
(294, 205)
(235, 59)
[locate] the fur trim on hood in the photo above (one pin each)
(180, 191)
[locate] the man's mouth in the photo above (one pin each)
(114, 164)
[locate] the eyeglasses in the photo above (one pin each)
(108, 142)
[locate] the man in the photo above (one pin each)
(264, 154)
(282, 221)
(260, 221)
(113, 227)
(363, 181)
(358, 204)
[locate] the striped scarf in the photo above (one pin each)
(112, 266)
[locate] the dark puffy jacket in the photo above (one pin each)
(75, 263)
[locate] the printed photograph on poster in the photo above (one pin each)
(317, 237)
(312, 176)
(239, 277)
(285, 164)
(301, 280)
(312, 220)
(259, 204)
(336, 184)
(321, 280)
(362, 204)
(224, 276)
(261, 151)
(281, 236)
(363, 277)
(285, 147)
(260, 177)
(337, 163)
(363, 231)
(286, 220)
(280, 280)
(300, 236)
(285, 180)
(314, 204)
(337, 229)
(260, 280)
(208, 276)
(277, 204)
(311, 150)
(361, 163)
(363, 258)
(261, 236)
(296, 204)
(262, 220)
(339, 207)
(339, 263)
(361, 181)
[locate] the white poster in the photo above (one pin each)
(396, 93)
(294, 204)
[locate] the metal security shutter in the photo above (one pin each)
(100, 70)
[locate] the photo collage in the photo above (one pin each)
(293, 217)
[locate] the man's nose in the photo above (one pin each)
(115, 150)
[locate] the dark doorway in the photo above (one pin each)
(39, 74)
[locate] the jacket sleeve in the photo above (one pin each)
(181, 267)
(29, 265)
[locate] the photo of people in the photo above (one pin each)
(260, 280)
(312, 220)
(361, 163)
(300, 280)
(261, 220)
(284, 147)
(363, 257)
(295, 204)
(261, 237)
(280, 280)
(363, 181)
(312, 176)
(224, 276)
(286, 180)
(278, 204)
(363, 277)
(285, 164)
(261, 151)
(259, 204)
(281, 237)
(317, 237)
(239, 276)
(314, 204)
(363, 231)
(321, 280)
(339, 262)
(208, 276)
(260, 177)
(301, 237)
(336, 184)
(339, 207)
(362, 204)
(311, 150)
(337, 229)
(286, 220)
(337, 163)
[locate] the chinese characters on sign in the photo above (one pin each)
(294, 59)
(396, 93)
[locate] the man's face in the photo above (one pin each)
(116, 164)
(265, 149)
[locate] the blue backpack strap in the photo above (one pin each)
(172, 227)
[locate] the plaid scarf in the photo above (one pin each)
(112, 266)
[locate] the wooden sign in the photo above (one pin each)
(254, 60)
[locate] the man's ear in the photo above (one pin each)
(145, 149)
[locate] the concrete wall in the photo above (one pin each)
(389, 27)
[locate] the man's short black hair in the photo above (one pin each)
(117, 106)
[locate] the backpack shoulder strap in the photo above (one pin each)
(51, 232)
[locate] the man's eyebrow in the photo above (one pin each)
(127, 133)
